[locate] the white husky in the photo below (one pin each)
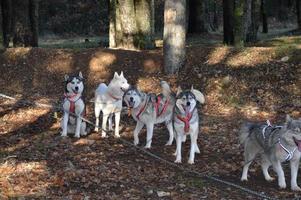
(73, 103)
(108, 99)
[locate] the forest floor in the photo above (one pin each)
(253, 83)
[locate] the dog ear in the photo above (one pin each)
(66, 77)
(121, 74)
(116, 75)
(198, 95)
(288, 120)
(179, 90)
(80, 75)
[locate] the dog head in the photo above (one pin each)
(132, 97)
(119, 83)
(293, 131)
(187, 100)
(74, 84)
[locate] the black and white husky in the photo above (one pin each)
(274, 144)
(149, 109)
(186, 121)
(73, 103)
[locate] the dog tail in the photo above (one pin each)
(166, 91)
(245, 132)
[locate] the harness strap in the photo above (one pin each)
(72, 103)
(141, 110)
(290, 154)
(186, 120)
(157, 105)
(115, 98)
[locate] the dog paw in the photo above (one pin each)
(96, 129)
(77, 136)
(147, 146)
(117, 136)
(270, 179)
(136, 142)
(168, 143)
(175, 153)
(103, 135)
(296, 188)
(178, 161)
(282, 185)
(244, 179)
(64, 134)
(191, 162)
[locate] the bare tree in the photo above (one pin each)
(228, 9)
(264, 18)
(174, 38)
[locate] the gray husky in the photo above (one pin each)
(275, 144)
(73, 103)
(186, 121)
(149, 109)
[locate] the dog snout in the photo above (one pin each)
(131, 99)
(188, 103)
(76, 88)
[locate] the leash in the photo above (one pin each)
(186, 170)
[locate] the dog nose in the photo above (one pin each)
(131, 99)
(188, 103)
(76, 88)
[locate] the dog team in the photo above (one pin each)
(178, 111)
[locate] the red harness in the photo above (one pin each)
(115, 98)
(141, 110)
(157, 104)
(72, 103)
(186, 120)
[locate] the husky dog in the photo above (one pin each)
(73, 103)
(186, 121)
(108, 99)
(275, 144)
(149, 109)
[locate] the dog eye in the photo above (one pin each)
(73, 82)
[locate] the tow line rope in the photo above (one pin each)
(143, 150)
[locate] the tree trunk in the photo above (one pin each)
(228, 6)
(251, 35)
(239, 22)
(131, 24)
(174, 35)
(215, 16)
(34, 21)
(7, 18)
(298, 8)
(264, 17)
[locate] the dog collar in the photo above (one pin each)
(113, 97)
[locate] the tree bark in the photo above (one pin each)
(251, 35)
(228, 7)
(215, 16)
(264, 17)
(7, 19)
(239, 20)
(298, 8)
(34, 21)
(174, 35)
(131, 24)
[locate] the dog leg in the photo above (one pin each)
(294, 164)
(65, 124)
(104, 124)
(178, 150)
(281, 179)
(184, 138)
(249, 155)
(110, 122)
(197, 150)
(149, 135)
(171, 135)
(265, 164)
(83, 130)
(138, 128)
(78, 126)
(192, 148)
(97, 113)
(117, 121)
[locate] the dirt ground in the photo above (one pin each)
(239, 84)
